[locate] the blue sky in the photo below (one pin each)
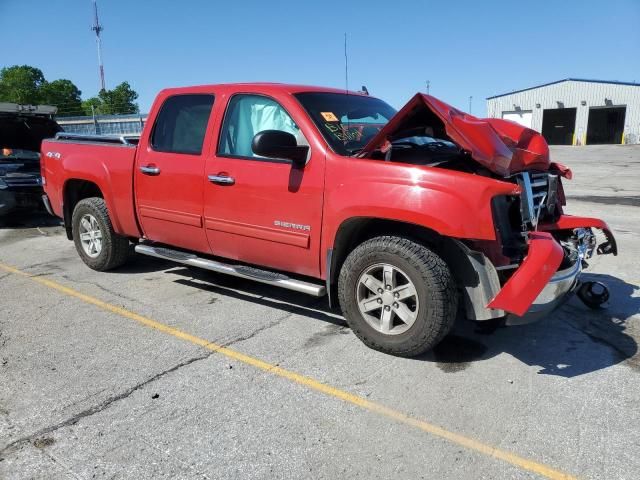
(465, 48)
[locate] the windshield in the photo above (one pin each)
(346, 121)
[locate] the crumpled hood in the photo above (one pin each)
(502, 146)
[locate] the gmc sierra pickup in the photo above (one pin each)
(401, 217)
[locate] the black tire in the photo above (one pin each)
(434, 284)
(115, 248)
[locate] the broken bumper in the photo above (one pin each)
(536, 271)
(554, 294)
(538, 287)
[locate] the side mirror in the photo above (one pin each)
(279, 144)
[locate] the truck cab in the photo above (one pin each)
(398, 217)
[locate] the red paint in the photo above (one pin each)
(255, 231)
(569, 222)
(561, 169)
(244, 215)
(110, 170)
(148, 214)
(502, 146)
(541, 263)
(243, 221)
(566, 222)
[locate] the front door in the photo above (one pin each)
(169, 173)
(263, 211)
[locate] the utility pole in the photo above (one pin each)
(98, 29)
(428, 85)
(95, 120)
(470, 100)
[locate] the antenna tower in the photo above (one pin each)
(98, 29)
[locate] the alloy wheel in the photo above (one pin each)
(387, 299)
(90, 235)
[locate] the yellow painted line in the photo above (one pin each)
(467, 442)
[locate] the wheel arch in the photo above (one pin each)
(356, 230)
(74, 190)
(469, 268)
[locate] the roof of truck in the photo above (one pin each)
(261, 86)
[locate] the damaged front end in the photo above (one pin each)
(541, 251)
(545, 249)
(528, 272)
(536, 259)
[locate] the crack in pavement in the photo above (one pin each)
(116, 398)
(9, 448)
(276, 322)
(103, 288)
(257, 331)
(97, 408)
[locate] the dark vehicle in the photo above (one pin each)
(22, 129)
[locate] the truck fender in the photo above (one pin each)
(110, 170)
(76, 182)
(473, 271)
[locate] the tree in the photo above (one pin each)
(21, 84)
(120, 100)
(64, 95)
(27, 85)
(92, 106)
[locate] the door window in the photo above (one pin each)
(181, 124)
(248, 115)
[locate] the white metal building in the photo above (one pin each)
(575, 111)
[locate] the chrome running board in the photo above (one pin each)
(242, 271)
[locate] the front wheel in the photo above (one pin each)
(99, 246)
(397, 296)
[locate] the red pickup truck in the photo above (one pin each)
(401, 217)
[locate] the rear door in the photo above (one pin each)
(169, 173)
(260, 210)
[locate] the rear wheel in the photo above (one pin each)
(96, 242)
(397, 296)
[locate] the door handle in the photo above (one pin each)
(222, 179)
(150, 170)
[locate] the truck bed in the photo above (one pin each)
(104, 161)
